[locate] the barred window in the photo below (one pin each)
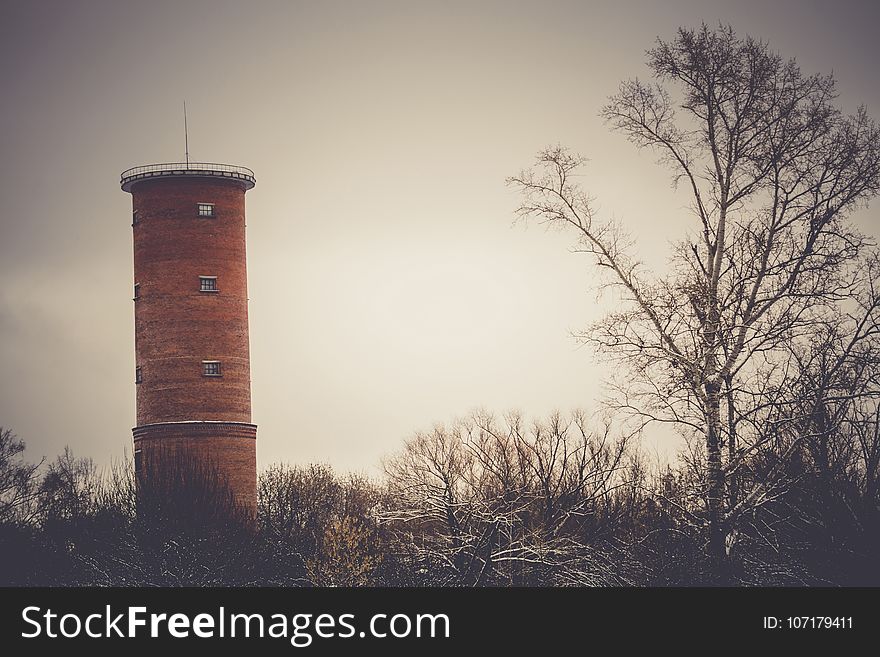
(138, 375)
(208, 284)
(211, 368)
(206, 209)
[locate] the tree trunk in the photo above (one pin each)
(732, 475)
(715, 482)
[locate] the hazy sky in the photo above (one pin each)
(388, 288)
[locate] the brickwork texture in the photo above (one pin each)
(178, 326)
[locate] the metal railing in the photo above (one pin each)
(187, 168)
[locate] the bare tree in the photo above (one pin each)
(174, 524)
(484, 502)
(325, 522)
(67, 490)
(831, 405)
(18, 480)
(773, 168)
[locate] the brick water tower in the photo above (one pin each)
(191, 319)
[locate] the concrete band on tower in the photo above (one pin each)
(191, 318)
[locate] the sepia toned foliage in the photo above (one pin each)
(773, 168)
(489, 502)
(327, 521)
(485, 501)
(17, 480)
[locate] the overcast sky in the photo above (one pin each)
(389, 289)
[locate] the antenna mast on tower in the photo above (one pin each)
(185, 134)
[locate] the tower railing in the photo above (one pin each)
(187, 169)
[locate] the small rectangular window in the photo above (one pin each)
(137, 291)
(206, 209)
(138, 375)
(211, 368)
(134, 217)
(208, 284)
(138, 461)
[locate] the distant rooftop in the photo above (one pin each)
(190, 169)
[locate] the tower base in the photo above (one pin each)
(225, 452)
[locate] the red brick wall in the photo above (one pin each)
(177, 326)
(229, 447)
